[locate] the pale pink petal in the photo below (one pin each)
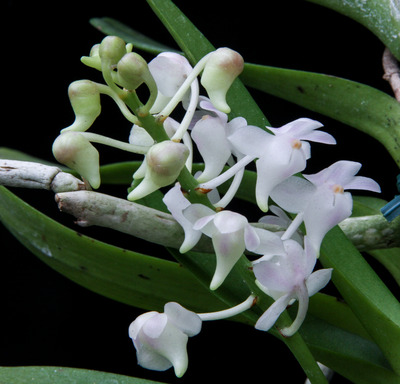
(318, 280)
(341, 173)
(273, 275)
(364, 183)
(269, 317)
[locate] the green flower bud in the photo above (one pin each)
(221, 69)
(164, 163)
(111, 50)
(77, 153)
(132, 71)
(85, 101)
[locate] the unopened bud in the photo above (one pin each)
(85, 101)
(111, 50)
(77, 153)
(221, 69)
(164, 163)
(132, 70)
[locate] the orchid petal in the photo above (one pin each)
(319, 137)
(250, 140)
(139, 136)
(273, 275)
(297, 127)
(228, 221)
(293, 194)
(169, 70)
(148, 359)
(269, 317)
(321, 215)
(318, 280)
(228, 247)
(303, 299)
(269, 243)
(341, 172)
(171, 344)
(137, 325)
(364, 183)
(209, 135)
(176, 204)
(155, 325)
(187, 321)
(271, 174)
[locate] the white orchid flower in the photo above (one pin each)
(288, 278)
(231, 235)
(320, 200)
(169, 71)
(280, 154)
(160, 339)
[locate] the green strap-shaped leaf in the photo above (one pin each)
(381, 17)
(147, 282)
(364, 362)
(61, 375)
(368, 297)
(139, 280)
(360, 106)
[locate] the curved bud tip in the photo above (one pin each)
(164, 163)
(132, 70)
(221, 69)
(76, 152)
(111, 49)
(84, 96)
(93, 60)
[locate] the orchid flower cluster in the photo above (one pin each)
(284, 261)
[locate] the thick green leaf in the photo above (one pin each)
(390, 258)
(360, 106)
(110, 26)
(143, 281)
(348, 354)
(62, 375)
(368, 297)
(381, 17)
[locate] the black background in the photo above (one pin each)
(48, 320)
